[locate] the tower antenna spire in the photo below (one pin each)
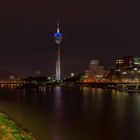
(58, 27)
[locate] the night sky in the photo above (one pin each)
(92, 29)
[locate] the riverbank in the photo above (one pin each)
(9, 130)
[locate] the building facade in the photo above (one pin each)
(127, 69)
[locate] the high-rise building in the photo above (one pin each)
(58, 39)
(95, 72)
(125, 62)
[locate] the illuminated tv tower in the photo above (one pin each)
(58, 39)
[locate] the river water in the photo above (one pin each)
(74, 113)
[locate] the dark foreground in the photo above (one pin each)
(74, 113)
(11, 131)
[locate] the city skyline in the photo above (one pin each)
(92, 30)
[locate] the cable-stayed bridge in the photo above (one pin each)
(9, 79)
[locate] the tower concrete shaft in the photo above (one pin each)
(58, 65)
(58, 39)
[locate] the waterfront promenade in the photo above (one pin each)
(106, 85)
(114, 85)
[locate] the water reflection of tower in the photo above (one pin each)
(58, 39)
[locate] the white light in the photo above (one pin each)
(124, 72)
(72, 74)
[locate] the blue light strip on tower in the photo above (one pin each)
(57, 35)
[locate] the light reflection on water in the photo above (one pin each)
(74, 113)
